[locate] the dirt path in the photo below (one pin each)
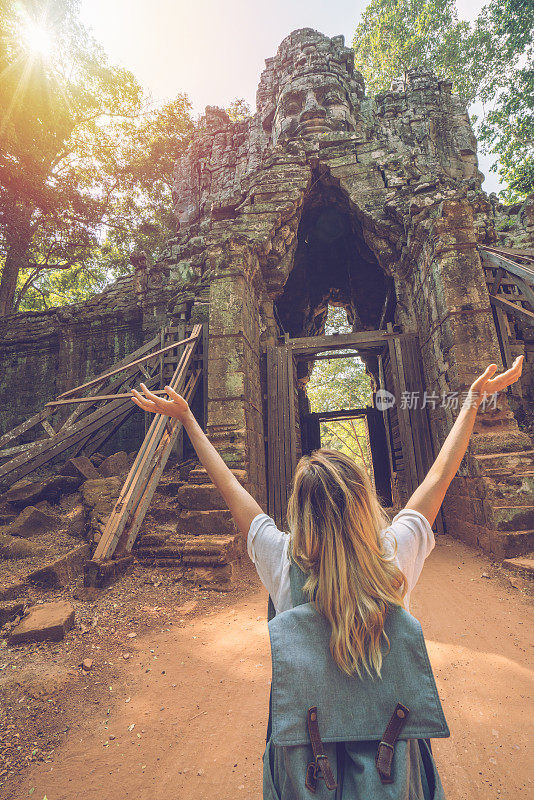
(197, 696)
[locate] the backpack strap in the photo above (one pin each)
(386, 747)
(320, 767)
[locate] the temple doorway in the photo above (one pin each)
(336, 275)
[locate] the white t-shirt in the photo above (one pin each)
(268, 549)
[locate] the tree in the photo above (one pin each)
(396, 36)
(341, 383)
(508, 127)
(490, 61)
(238, 110)
(66, 106)
(85, 160)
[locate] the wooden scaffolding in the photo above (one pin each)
(101, 405)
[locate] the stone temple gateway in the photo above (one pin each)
(324, 196)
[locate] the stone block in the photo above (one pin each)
(511, 518)
(50, 489)
(521, 566)
(205, 522)
(49, 621)
(81, 467)
(13, 590)
(203, 497)
(10, 609)
(14, 547)
(31, 522)
(101, 493)
(62, 571)
(75, 521)
(217, 578)
(115, 464)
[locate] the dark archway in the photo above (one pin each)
(332, 264)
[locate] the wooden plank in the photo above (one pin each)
(284, 434)
(164, 450)
(519, 270)
(119, 366)
(318, 344)
(342, 413)
(48, 428)
(95, 441)
(403, 413)
(504, 342)
(135, 483)
(18, 448)
(499, 275)
(271, 436)
(74, 415)
(142, 468)
(417, 414)
(14, 433)
(205, 356)
(382, 382)
(331, 355)
(39, 453)
(510, 252)
(127, 366)
(424, 432)
(97, 398)
(512, 308)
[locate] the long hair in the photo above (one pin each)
(335, 520)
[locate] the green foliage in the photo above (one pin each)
(341, 383)
(396, 36)
(489, 61)
(238, 110)
(85, 161)
(508, 128)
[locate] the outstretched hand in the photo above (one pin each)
(488, 383)
(176, 407)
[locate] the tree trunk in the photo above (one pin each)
(18, 239)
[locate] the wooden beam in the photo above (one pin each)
(125, 366)
(317, 344)
(164, 450)
(342, 413)
(495, 286)
(97, 397)
(14, 433)
(520, 270)
(523, 313)
(327, 356)
(141, 470)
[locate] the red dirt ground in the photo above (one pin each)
(197, 694)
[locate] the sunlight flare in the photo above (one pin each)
(37, 38)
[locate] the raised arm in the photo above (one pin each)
(242, 505)
(428, 496)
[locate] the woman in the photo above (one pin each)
(353, 565)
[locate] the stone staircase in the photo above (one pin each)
(189, 529)
(507, 484)
(506, 488)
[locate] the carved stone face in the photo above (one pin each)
(313, 104)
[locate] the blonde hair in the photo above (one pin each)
(335, 520)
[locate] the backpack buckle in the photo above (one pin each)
(320, 767)
(386, 746)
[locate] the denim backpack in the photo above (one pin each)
(348, 738)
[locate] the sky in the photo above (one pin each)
(214, 51)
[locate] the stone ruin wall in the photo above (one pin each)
(405, 165)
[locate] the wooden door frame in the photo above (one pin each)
(407, 376)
